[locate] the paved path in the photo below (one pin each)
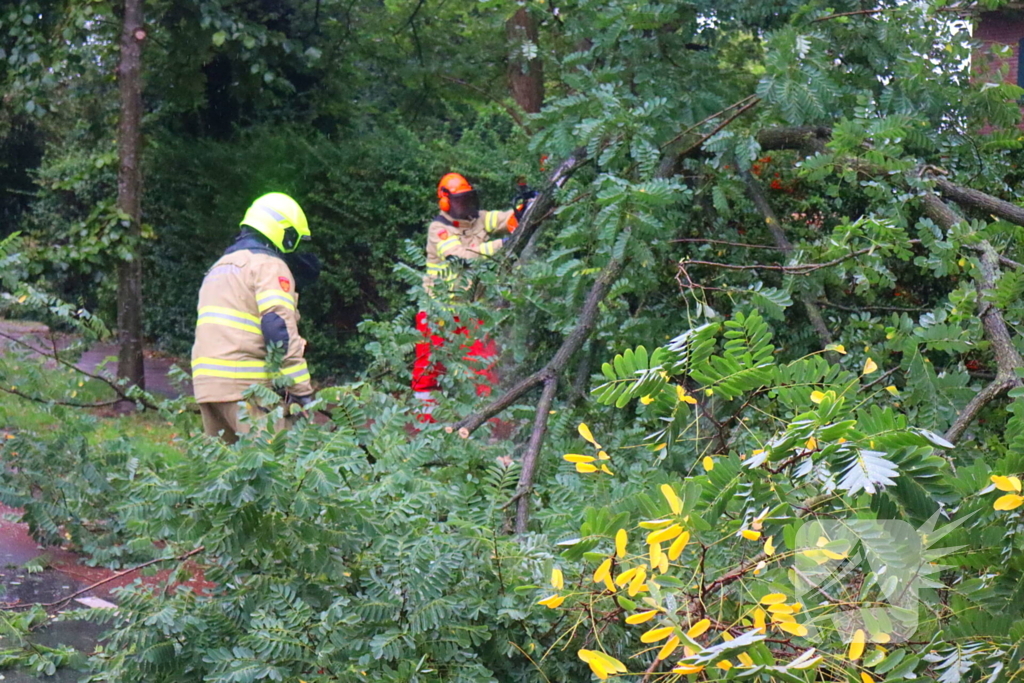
(99, 359)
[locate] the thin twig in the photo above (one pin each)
(723, 242)
(511, 112)
(114, 577)
(799, 269)
(697, 145)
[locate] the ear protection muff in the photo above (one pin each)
(291, 239)
(443, 202)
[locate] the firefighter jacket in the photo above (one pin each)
(449, 238)
(247, 302)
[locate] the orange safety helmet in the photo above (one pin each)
(457, 197)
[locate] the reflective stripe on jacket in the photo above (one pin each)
(247, 301)
(449, 238)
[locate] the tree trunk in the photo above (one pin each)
(525, 75)
(129, 195)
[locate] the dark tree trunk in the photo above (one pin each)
(129, 194)
(525, 76)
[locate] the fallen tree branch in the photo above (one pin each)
(52, 401)
(859, 309)
(540, 428)
(980, 201)
(702, 240)
(55, 356)
(1008, 360)
(717, 129)
(571, 344)
(112, 577)
(538, 209)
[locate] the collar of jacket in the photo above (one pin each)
(249, 242)
(443, 217)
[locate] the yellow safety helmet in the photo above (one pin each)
(280, 219)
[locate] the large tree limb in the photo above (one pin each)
(571, 344)
(539, 207)
(1008, 360)
(974, 199)
(540, 429)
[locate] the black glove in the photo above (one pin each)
(301, 400)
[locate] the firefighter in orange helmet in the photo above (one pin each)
(460, 231)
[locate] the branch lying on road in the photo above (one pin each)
(121, 392)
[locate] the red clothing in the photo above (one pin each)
(478, 351)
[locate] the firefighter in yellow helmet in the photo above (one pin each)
(248, 303)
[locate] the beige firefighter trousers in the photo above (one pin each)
(221, 419)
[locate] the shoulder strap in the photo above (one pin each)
(441, 219)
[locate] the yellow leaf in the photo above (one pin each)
(856, 646)
(627, 576)
(708, 463)
(608, 584)
(769, 547)
(817, 396)
(745, 659)
(962, 262)
(663, 564)
(687, 669)
(865, 678)
(669, 647)
(678, 545)
(893, 390)
(641, 617)
(727, 637)
(604, 468)
(838, 348)
(585, 468)
(655, 523)
(750, 534)
(666, 534)
(1006, 483)
(603, 455)
(759, 567)
(637, 583)
(869, 366)
(21, 299)
(796, 607)
(724, 665)
(880, 637)
(552, 601)
(646, 400)
(585, 432)
(782, 617)
(781, 608)
(658, 447)
(1010, 501)
(773, 599)
(812, 444)
(603, 570)
(684, 397)
(621, 538)
(656, 554)
(557, 580)
(699, 629)
(793, 628)
(674, 501)
(759, 620)
(656, 634)
(577, 458)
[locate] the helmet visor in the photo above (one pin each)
(465, 206)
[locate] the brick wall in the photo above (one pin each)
(1004, 28)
